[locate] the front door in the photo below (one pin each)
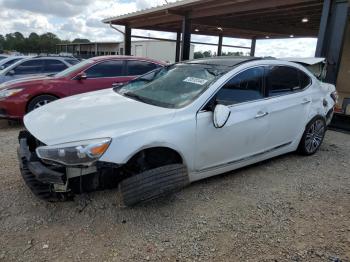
(244, 133)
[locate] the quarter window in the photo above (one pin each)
(106, 69)
(244, 87)
(304, 79)
(140, 67)
(282, 80)
(29, 67)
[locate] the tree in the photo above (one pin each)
(48, 42)
(81, 40)
(198, 55)
(2, 42)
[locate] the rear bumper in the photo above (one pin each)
(329, 116)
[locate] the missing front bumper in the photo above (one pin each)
(52, 182)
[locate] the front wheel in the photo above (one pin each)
(313, 136)
(40, 101)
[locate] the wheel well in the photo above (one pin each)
(30, 100)
(152, 158)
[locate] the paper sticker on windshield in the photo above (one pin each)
(195, 80)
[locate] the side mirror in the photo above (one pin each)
(11, 73)
(81, 76)
(2, 67)
(221, 115)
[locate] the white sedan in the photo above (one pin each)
(173, 126)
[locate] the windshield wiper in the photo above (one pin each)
(135, 96)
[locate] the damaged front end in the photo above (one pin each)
(61, 179)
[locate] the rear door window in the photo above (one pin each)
(244, 87)
(53, 66)
(113, 68)
(29, 67)
(281, 80)
(135, 68)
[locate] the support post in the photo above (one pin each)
(186, 38)
(323, 27)
(253, 47)
(178, 47)
(331, 36)
(127, 40)
(220, 45)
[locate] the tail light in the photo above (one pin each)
(337, 107)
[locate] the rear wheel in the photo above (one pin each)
(40, 101)
(313, 136)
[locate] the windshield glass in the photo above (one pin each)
(73, 68)
(174, 86)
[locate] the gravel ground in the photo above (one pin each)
(291, 208)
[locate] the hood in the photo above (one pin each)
(93, 115)
(23, 82)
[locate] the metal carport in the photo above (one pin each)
(248, 19)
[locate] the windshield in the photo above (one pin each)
(174, 86)
(73, 68)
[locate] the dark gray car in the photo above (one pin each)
(36, 66)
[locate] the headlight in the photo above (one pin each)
(9, 92)
(76, 153)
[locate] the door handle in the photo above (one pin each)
(306, 101)
(261, 114)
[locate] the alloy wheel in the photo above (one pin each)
(41, 103)
(314, 136)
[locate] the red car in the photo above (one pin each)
(20, 97)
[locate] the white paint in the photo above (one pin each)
(249, 133)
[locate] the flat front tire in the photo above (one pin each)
(153, 183)
(313, 136)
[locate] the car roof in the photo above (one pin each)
(228, 61)
(11, 58)
(125, 57)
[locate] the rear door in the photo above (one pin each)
(101, 76)
(288, 104)
(137, 68)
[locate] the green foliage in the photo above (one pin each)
(205, 54)
(34, 43)
(81, 40)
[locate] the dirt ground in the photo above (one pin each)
(291, 208)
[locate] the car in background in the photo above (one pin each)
(36, 66)
(6, 62)
(2, 56)
(20, 97)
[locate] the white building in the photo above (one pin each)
(155, 49)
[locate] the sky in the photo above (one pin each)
(70, 19)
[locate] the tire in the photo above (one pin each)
(40, 101)
(313, 136)
(153, 184)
